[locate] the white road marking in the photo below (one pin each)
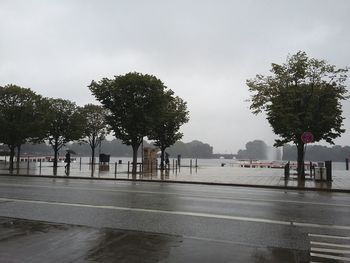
(177, 194)
(183, 213)
(326, 250)
(329, 236)
(328, 244)
(329, 256)
(330, 250)
(321, 226)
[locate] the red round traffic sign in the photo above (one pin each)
(307, 137)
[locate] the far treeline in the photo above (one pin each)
(256, 150)
(116, 148)
(259, 150)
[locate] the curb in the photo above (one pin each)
(187, 182)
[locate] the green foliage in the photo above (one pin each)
(95, 125)
(64, 124)
(171, 117)
(20, 117)
(304, 94)
(134, 101)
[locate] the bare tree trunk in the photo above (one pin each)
(93, 147)
(135, 148)
(55, 149)
(162, 158)
(92, 155)
(12, 155)
(300, 165)
(18, 154)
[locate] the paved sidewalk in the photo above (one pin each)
(254, 177)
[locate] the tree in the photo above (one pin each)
(20, 117)
(256, 149)
(302, 95)
(134, 101)
(65, 124)
(95, 126)
(166, 130)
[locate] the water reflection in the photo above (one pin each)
(120, 246)
(274, 254)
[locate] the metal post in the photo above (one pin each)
(80, 164)
(142, 154)
(5, 159)
(328, 165)
(128, 167)
(40, 163)
(115, 170)
(191, 166)
(310, 169)
(176, 165)
(196, 163)
(28, 162)
(347, 164)
(173, 164)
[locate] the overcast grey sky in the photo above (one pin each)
(203, 50)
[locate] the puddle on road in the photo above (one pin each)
(122, 246)
(34, 241)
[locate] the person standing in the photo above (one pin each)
(67, 161)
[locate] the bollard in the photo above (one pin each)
(80, 164)
(173, 164)
(310, 169)
(115, 170)
(128, 167)
(176, 165)
(40, 163)
(328, 165)
(196, 163)
(347, 164)
(28, 162)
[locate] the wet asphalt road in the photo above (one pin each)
(159, 222)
